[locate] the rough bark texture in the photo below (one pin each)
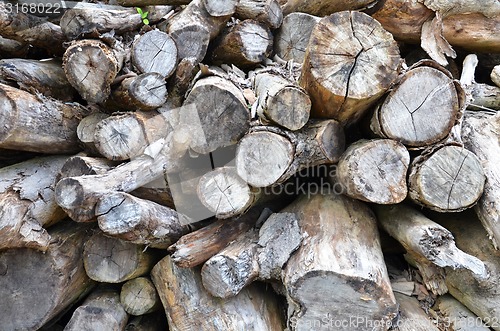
(245, 45)
(457, 315)
(35, 287)
(292, 38)
(408, 114)
(339, 262)
(411, 316)
(324, 7)
(139, 297)
(187, 303)
(446, 178)
(265, 11)
(269, 155)
(111, 260)
(480, 134)
(100, 311)
(334, 73)
(28, 202)
(155, 51)
(374, 171)
(139, 221)
(36, 123)
(12, 48)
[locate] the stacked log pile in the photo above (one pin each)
(250, 165)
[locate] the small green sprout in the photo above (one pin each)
(144, 15)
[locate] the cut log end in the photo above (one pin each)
(155, 51)
(69, 193)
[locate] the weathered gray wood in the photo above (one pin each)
(324, 7)
(28, 202)
(245, 45)
(457, 316)
(38, 124)
(495, 75)
(480, 135)
(155, 51)
(340, 262)
(35, 287)
(192, 40)
(408, 114)
(446, 178)
(411, 316)
(100, 311)
(138, 296)
(281, 101)
(426, 242)
(187, 303)
(10, 48)
(46, 77)
(292, 38)
(143, 3)
(91, 67)
(139, 221)
(374, 171)
(111, 260)
(265, 11)
(334, 73)
(269, 155)
(86, 132)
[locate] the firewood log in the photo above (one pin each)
(155, 51)
(28, 202)
(426, 242)
(143, 92)
(265, 11)
(138, 296)
(457, 316)
(111, 260)
(30, 29)
(143, 3)
(35, 287)
(46, 77)
(151, 322)
(12, 48)
(292, 38)
(324, 7)
(179, 83)
(269, 155)
(196, 247)
(480, 295)
(281, 101)
(91, 66)
(340, 262)
(408, 114)
(79, 165)
(334, 73)
(495, 75)
(101, 310)
(222, 113)
(187, 303)
(139, 221)
(446, 178)
(411, 316)
(254, 255)
(374, 171)
(85, 132)
(96, 19)
(38, 124)
(404, 19)
(480, 134)
(245, 45)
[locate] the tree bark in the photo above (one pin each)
(340, 262)
(374, 171)
(155, 51)
(111, 260)
(269, 155)
(411, 316)
(408, 114)
(457, 316)
(28, 202)
(334, 74)
(100, 311)
(426, 242)
(292, 38)
(46, 77)
(139, 221)
(267, 12)
(245, 45)
(187, 303)
(138, 296)
(86, 132)
(446, 178)
(324, 7)
(10, 48)
(91, 67)
(480, 134)
(36, 123)
(281, 101)
(29, 276)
